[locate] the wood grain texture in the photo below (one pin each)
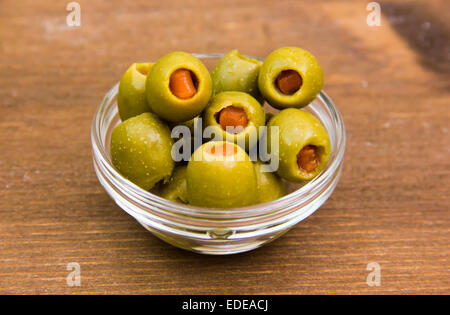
(391, 84)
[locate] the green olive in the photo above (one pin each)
(235, 72)
(141, 150)
(270, 186)
(290, 77)
(303, 147)
(221, 175)
(236, 116)
(178, 87)
(175, 189)
(131, 99)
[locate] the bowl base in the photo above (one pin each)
(214, 246)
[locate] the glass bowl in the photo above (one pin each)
(217, 231)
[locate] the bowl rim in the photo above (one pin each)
(300, 196)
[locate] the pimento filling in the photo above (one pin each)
(308, 158)
(289, 82)
(234, 117)
(223, 149)
(183, 84)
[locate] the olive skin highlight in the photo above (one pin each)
(297, 130)
(131, 99)
(141, 150)
(160, 87)
(285, 60)
(220, 180)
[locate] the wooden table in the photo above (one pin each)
(390, 82)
